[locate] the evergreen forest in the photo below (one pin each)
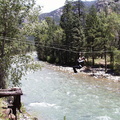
(93, 32)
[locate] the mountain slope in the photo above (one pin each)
(56, 14)
(108, 5)
(101, 5)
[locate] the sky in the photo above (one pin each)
(50, 5)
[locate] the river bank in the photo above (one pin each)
(93, 72)
(98, 73)
(20, 116)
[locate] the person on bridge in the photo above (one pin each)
(80, 61)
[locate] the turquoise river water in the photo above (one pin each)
(51, 95)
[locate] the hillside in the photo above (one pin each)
(101, 5)
(109, 5)
(56, 14)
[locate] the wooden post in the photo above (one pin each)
(17, 102)
(16, 92)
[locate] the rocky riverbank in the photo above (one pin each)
(93, 72)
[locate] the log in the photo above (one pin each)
(10, 92)
(16, 92)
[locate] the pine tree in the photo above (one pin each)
(93, 32)
(78, 28)
(72, 24)
(67, 23)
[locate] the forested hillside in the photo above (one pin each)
(56, 14)
(99, 4)
(95, 33)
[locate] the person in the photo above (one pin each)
(80, 64)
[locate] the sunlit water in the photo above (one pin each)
(51, 95)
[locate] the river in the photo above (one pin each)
(51, 95)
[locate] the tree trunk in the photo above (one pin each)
(112, 60)
(93, 57)
(105, 59)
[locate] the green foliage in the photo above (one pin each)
(19, 66)
(72, 24)
(12, 40)
(117, 61)
(77, 32)
(64, 117)
(102, 31)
